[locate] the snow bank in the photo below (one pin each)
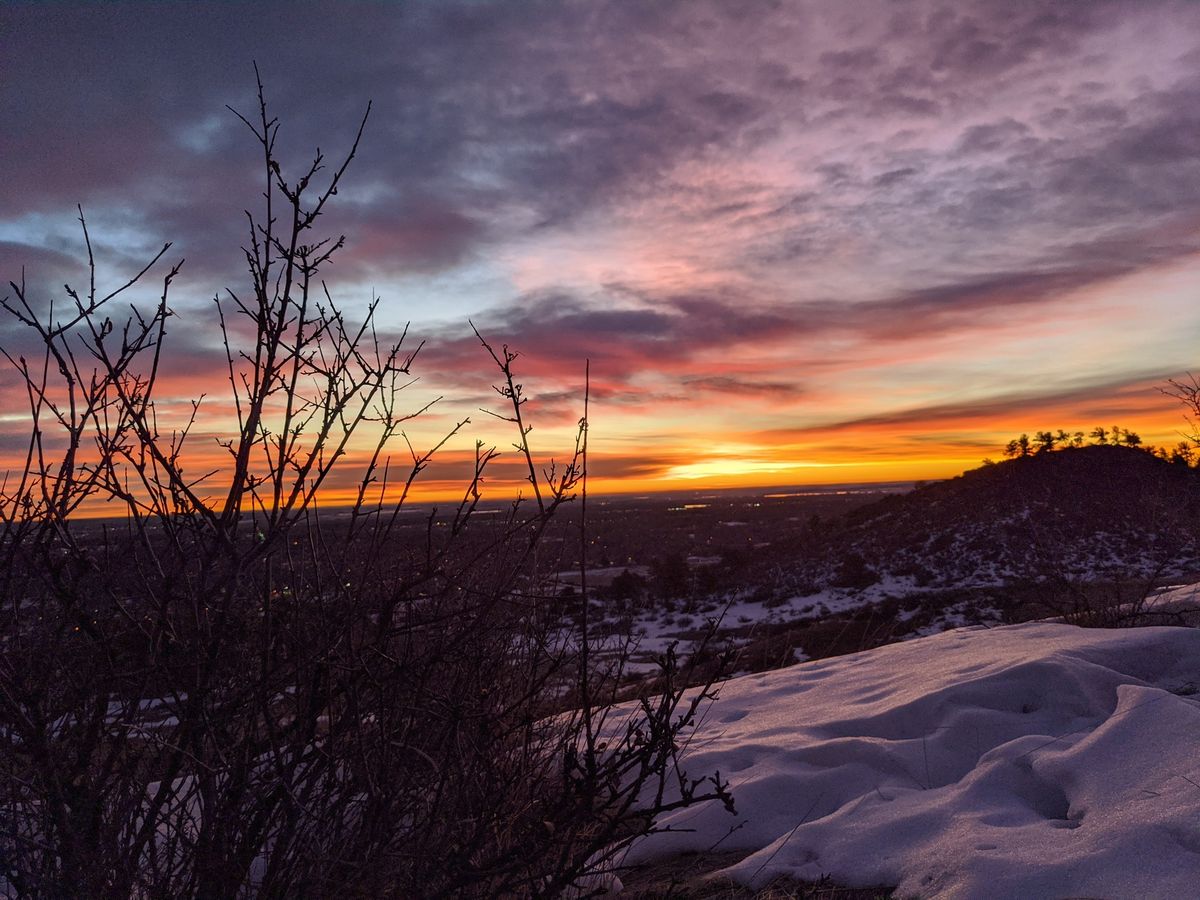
(1037, 760)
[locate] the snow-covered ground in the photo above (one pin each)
(1029, 761)
(653, 629)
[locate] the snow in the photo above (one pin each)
(1034, 761)
(653, 629)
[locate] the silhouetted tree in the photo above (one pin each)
(670, 577)
(628, 587)
(1183, 454)
(854, 572)
(1187, 391)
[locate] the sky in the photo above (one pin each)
(797, 243)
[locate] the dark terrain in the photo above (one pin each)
(1089, 533)
(825, 571)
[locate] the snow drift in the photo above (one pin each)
(1037, 760)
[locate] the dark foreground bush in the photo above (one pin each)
(227, 692)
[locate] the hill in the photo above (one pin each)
(1085, 513)
(1086, 533)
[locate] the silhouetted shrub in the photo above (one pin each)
(229, 692)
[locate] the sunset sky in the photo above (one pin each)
(800, 243)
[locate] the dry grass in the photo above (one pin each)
(688, 877)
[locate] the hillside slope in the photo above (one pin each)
(1100, 511)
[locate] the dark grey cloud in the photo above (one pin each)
(477, 107)
(675, 333)
(560, 109)
(994, 136)
(1054, 405)
(743, 387)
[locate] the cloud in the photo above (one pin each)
(1029, 408)
(548, 116)
(627, 183)
(742, 387)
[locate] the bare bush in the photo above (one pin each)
(229, 692)
(1187, 391)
